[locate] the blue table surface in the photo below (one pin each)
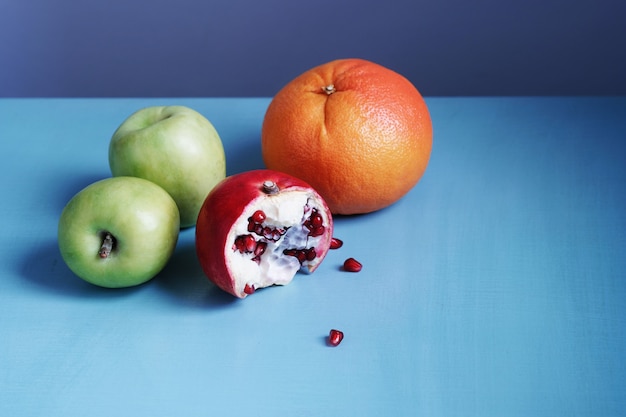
(496, 287)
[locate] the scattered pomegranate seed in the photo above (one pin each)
(352, 265)
(336, 243)
(335, 337)
(249, 289)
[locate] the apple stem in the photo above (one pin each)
(107, 246)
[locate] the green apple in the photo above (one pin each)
(175, 147)
(118, 232)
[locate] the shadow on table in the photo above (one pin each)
(181, 280)
(45, 268)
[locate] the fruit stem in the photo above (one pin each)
(270, 187)
(329, 89)
(107, 246)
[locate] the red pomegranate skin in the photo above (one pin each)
(224, 206)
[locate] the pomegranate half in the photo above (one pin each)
(259, 228)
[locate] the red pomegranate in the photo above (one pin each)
(259, 228)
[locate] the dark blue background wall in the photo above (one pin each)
(253, 47)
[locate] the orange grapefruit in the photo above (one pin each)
(359, 133)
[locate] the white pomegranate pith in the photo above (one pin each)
(274, 238)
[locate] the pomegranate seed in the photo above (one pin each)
(316, 219)
(249, 289)
(317, 231)
(260, 248)
(258, 216)
(250, 243)
(239, 244)
(310, 254)
(245, 243)
(352, 265)
(267, 233)
(315, 224)
(335, 243)
(335, 337)
(301, 256)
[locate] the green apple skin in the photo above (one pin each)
(143, 220)
(175, 147)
